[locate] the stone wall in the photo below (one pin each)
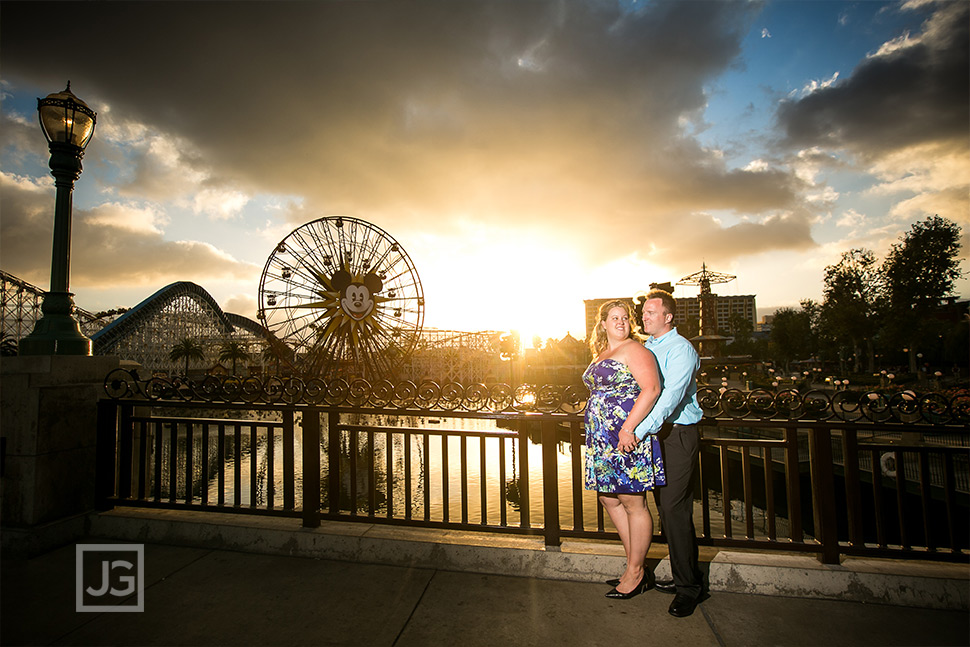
(48, 420)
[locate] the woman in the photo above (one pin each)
(624, 384)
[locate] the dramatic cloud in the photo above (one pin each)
(904, 114)
(241, 304)
(937, 176)
(114, 244)
(910, 93)
(18, 134)
(505, 112)
(789, 231)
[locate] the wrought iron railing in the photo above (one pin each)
(906, 407)
(832, 474)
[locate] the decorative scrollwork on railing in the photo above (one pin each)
(121, 384)
(759, 404)
(841, 406)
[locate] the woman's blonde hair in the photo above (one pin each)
(597, 338)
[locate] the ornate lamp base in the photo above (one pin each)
(57, 332)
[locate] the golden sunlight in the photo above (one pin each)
(535, 288)
(507, 285)
(627, 276)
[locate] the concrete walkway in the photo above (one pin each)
(230, 579)
(199, 596)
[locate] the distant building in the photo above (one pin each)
(689, 308)
(764, 326)
(558, 362)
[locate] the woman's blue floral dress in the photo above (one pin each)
(613, 389)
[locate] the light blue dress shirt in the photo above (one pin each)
(678, 363)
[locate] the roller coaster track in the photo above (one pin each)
(147, 333)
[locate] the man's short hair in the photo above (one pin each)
(669, 303)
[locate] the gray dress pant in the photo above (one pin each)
(675, 503)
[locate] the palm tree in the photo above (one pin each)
(187, 349)
(233, 351)
(8, 346)
(271, 353)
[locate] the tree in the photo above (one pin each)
(919, 272)
(741, 326)
(271, 353)
(850, 305)
(188, 350)
(233, 351)
(741, 329)
(689, 328)
(791, 335)
(812, 310)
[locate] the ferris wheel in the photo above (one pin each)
(343, 298)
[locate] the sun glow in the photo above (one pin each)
(487, 282)
(533, 287)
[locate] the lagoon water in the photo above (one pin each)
(408, 448)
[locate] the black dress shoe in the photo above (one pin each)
(682, 606)
(637, 590)
(665, 586)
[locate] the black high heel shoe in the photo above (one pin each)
(637, 590)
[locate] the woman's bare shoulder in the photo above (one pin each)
(636, 349)
(631, 351)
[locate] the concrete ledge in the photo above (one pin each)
(481, 552)
(914, 584)
(929, 585)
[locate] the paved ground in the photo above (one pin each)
(197, 596)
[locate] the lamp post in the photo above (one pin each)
(68, 124)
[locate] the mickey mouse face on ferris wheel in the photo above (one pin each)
(356, 297)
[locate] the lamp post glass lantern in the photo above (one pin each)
(68, 124)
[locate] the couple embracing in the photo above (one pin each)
(641, 435)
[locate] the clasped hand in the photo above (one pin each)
(626, 441)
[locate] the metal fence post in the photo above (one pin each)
(550, 484)
(525, 497)
(289, 469)
(793, 487)
(853, 491)
(311, 467)
(333, 461)
(125, 449)
(823, 493)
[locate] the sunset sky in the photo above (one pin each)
(527, 155)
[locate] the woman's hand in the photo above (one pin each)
(626, 442)
(643, 366)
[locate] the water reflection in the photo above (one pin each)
(421, 467)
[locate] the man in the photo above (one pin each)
(680, 442)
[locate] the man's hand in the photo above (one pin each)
(626, 442)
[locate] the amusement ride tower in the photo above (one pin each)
(709, 341)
